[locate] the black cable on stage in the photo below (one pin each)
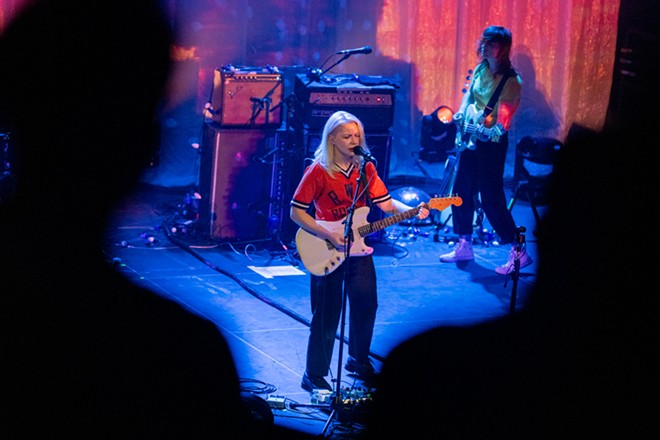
(245, 286)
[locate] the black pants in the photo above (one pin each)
(481, 172)
(326, 301)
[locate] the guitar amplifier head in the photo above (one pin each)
(246, 97)
(369, 98)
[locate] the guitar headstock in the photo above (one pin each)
(443, 202)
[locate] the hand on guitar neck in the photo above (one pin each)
(470, 128)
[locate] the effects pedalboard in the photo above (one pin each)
(353, 407)
(349, 397)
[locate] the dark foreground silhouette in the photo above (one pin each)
(86, 354)
(579, 361)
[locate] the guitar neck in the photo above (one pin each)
(387, 221)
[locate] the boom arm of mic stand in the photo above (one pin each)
(318, 76)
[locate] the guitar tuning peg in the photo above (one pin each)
(470, 71)
(463, 90)
(468, 77)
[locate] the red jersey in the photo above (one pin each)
(332, 197)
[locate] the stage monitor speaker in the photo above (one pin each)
(246, 97)
(235, 183)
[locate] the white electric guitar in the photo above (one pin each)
(471, 128)
(320, 257)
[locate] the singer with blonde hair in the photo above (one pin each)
(341, 173)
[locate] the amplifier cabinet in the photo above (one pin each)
(245, 97)
(235, 183)
(373, 103)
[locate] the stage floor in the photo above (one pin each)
(257, 293)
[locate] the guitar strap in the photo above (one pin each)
(496, 94)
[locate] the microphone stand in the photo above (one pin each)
(259, 104)
(447, 186)
(316, 74)
(348, 238)
(519, 241)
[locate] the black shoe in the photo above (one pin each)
(363, 370)
(311, 383)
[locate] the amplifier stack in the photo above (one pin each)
(236, 173)
(369, 98)
(251, 164)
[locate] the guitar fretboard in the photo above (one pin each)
(387, 221)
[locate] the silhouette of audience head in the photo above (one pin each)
(576, 362)
(80, 87)
(87, 353)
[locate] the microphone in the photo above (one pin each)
(360, 152)
(365, 50)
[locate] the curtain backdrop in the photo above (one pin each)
(565, 52)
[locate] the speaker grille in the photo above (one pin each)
(235, 183)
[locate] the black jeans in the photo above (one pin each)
(481, 172)
(326, 301)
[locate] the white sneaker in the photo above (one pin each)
(462, 252)
(509, 266)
